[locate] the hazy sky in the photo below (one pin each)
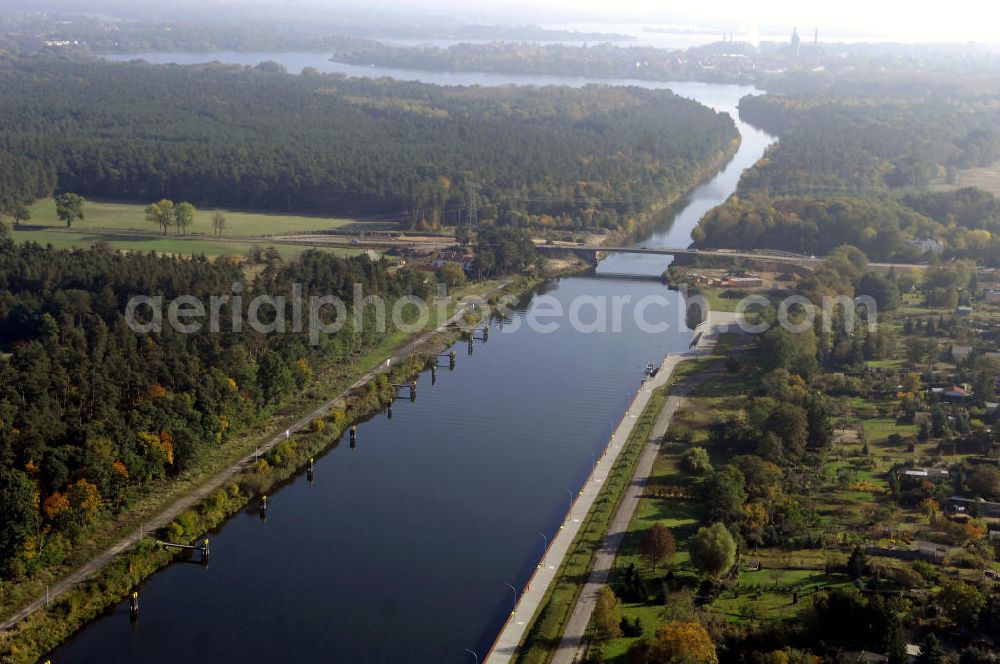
(906, 20)
(954, 20)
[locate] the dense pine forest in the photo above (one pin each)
(832, 142)
(853, 165)
(262, 139)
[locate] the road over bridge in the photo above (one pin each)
(592, 252)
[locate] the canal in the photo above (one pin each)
(400, 549)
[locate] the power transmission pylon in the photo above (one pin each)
(472, 205)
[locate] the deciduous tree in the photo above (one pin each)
(607, 615)
(21, 213)
(712, 550)
(725, 494)
(695, 461)
(452, 274)
(961, 601)
(984, 481)
(682, 643)
(161, 213)
(218, 223)
(183, 216)
(657, 545)
(69, 208)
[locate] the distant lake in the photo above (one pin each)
(295, 62)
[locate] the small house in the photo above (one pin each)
(927, 245)
(930, 551)
(958, 392)
(460, 258)
(959, 353)
(922, 473)
(861, 657)
(975, 506)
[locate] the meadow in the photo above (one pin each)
(129, 216)
(125, 227)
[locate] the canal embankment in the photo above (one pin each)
(598, 517)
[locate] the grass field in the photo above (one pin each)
(123, 216)
(721, 300)
(168, 245)
(681, 516)
(987, 178)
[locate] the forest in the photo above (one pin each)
(870, 165)
(965, 223)
(833, 142)
(258, 138)
(91, 412)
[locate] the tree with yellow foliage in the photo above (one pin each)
(85, 499)
(682, 642)
(607, 615)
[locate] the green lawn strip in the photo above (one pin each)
(678, 514)
(166, 245)
(775, 593)
(721, 300)
(681, 515)
(126, 216)
(545, 631)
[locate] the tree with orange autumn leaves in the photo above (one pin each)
(82, 500)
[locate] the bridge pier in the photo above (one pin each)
(452, 358)
(412, 385)
(203, 547)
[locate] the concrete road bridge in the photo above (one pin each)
(594, 253)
